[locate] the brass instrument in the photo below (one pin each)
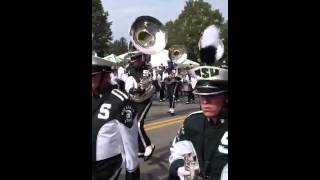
(146, 86)
(177, 53)
(147, 36)
(192, 166)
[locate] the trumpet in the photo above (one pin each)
(192, 166)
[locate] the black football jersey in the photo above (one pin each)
(114, 106)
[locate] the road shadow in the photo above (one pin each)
(160, 163)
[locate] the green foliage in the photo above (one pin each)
(119, 47)
(189, 25)
(102, 35)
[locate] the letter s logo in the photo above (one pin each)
(224, 141)
(104, 111)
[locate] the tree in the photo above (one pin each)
(187, 28)
(119, 47)
(102, 34)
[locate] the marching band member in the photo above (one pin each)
(188, 87)
(114, 127)
(147, 36)
(201, 147)
(163, 75)
(136, 85)
(171, 84)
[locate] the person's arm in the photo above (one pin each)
(120, 73)
(129, 135)
(113, 79)
(131, 84)
(181, 145)
(164, 76)
(193, 82)
(154, 74)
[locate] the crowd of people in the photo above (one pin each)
(178, 83)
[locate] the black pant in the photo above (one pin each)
(190, 96)
(142, 111)
(156, 85)
(135, 175)
(107, 168)
(177, 91)
(162, 89)
(171, 92)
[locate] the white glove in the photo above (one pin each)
(182, 172)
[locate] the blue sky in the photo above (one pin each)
(123, 12)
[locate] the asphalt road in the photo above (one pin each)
(159, 110)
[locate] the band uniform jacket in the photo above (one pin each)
(114, 130)
(209, 140)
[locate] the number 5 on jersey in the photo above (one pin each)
(104, 111)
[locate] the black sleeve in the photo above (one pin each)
(173, 170)
(127, 112)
